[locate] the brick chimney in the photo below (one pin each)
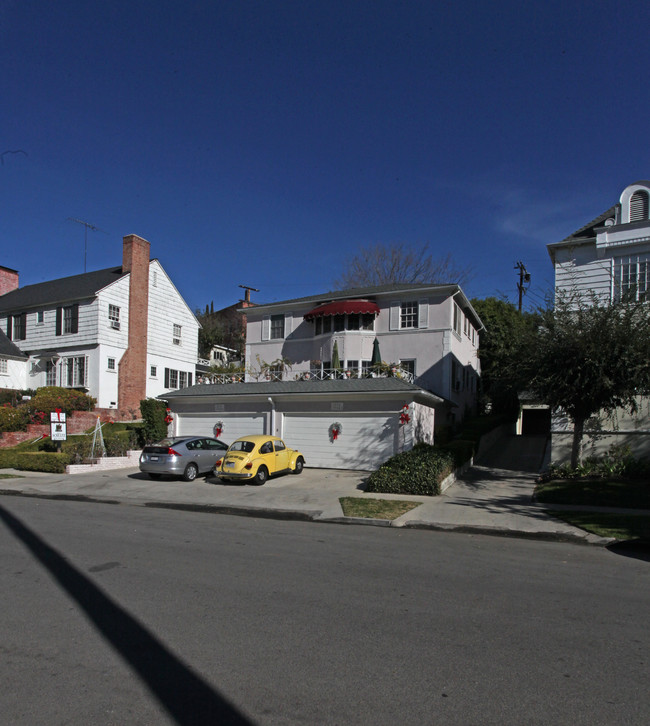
(8, 280)
(132, 374)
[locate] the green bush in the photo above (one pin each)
(618, 462)
(49, 398)
(153, 420)
(14, 419)
(32, 461)
(461, 450)
(419, 471)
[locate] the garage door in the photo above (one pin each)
(364, 442)
(234, 426)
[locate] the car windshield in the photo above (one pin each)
(246, 446)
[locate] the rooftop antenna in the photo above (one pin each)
(87, 226)
(247, 294)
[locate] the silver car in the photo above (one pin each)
(184, 456)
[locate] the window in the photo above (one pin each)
(277, 327)
(279, 446)
(114, 316)
(408, 317)
(458, 317)
(327, 324)
(177, 379)
(75, 372)
(353, 366)
(176, 337)
(111, 364)
(20, 327)
(318, 327)
(639, 207)
(354, 321)
(339, 323)
(153, 371)
(67, 320)
(368, 321)
(366, 367)
(39, 317)
(408, 365)
(3, 366)
(632, 278)
(50, 373)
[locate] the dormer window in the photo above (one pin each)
(639, 207)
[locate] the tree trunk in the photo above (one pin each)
(576, 446)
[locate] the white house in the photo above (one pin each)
(608, 257)
(121, 334)
(426, 336)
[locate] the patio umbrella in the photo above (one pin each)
(336, 361)
(376, 355)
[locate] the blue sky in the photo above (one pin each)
(262, 143)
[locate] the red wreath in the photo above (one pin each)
(168, 418)
(335, 430)
(404, 417)
(218, 429)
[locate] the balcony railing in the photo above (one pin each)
(326, 374)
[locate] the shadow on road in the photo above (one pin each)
(186, 696)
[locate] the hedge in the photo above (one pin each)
(418, 471)
(32, 461)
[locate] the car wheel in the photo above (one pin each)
(261, 476)
(300, 465)
(191, 472)
(155, 477)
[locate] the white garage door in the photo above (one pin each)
(365, 442)
(234, 426)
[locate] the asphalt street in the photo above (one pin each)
(115, 615)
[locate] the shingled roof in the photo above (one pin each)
(63, 290)
(7, 348)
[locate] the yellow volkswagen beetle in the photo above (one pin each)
(258, 458)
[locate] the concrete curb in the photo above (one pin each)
(319, 518)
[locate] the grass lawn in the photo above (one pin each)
(618, 526)
(625, 493)
(10, 476)
(376, 508)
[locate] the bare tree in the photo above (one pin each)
(383, 264)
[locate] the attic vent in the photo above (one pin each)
(639, 206)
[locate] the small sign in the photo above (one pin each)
(58, 426)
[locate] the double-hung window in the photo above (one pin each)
(67, 320)
(277, 327)
(408, 317)
(114, 316)
(75, 371)
(3, 366)
(176, 335)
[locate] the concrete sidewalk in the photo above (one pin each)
(486, 500)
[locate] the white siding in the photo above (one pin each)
(16, 375)
(235, 425)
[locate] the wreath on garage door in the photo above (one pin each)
(218, 429)
(335, 430)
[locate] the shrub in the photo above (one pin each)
(49, 398)
(32, 461)
(153, 420)
(618, 462)
(419, 471)
(14, 419)
(461, 450)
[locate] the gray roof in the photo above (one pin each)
(589, 230)
(360, 292)
(65, 289)
(336, 387)
(7, 348)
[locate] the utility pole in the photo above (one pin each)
(247, 295)
(87, 226)
(524, 278)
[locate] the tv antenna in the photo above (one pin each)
(87, 226)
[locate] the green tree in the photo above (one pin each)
(507, 333)
(587, 357)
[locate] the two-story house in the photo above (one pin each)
(608, 257)
(352, 359)
(121, 334)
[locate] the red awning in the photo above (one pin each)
(342, 307)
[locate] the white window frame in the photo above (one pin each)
(114, 316)
(110, 364)
(76, 373)
(177, 332)
(153, 371)
(4, 367)
(408, 315)
(632, 275)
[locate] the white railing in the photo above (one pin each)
(326, 374)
